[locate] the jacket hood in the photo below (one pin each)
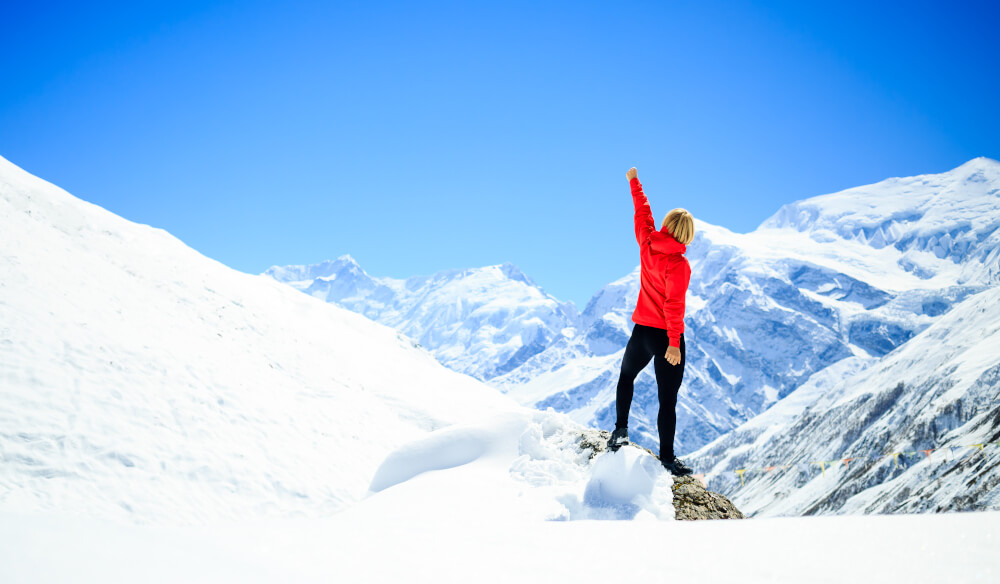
(663, 242)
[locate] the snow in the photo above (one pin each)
(937, 390)
(525, 466)
(481, 321)
(144, 381)
(361, 547)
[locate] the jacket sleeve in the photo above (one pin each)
(676, 287)
(643, 216)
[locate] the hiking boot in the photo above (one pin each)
(618, 439)
(677, 467)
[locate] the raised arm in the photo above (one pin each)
(644, 225)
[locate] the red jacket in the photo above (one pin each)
(665, 272)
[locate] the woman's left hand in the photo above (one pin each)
(673, 355)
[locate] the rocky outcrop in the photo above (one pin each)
(692, 500)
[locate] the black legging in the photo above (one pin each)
(648, 343)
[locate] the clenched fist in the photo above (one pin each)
(631, 174)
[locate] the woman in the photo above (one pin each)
(659, 321)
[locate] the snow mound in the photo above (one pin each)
(527, 465)
(447, 448)
(625, 484)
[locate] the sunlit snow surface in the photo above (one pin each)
(365, 546)
(549, 478)
(144, 381)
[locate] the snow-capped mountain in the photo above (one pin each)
(850, 274)
(927, 401)
(483, 321)
(942, 227)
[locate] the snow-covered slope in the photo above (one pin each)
(940, 391)
(481, 321)
(142, 379)
(367, 547)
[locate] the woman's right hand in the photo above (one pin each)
(631, 174)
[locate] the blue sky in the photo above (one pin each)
(424, 136)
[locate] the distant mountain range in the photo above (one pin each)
(482, 321)
(854, 274)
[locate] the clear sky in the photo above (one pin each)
(423, 136)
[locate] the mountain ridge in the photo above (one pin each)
(939, 390)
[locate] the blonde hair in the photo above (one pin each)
(680, 224)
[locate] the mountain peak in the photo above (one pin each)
(347, 259)
(324, 269)
(980, 162)
(514, 273)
